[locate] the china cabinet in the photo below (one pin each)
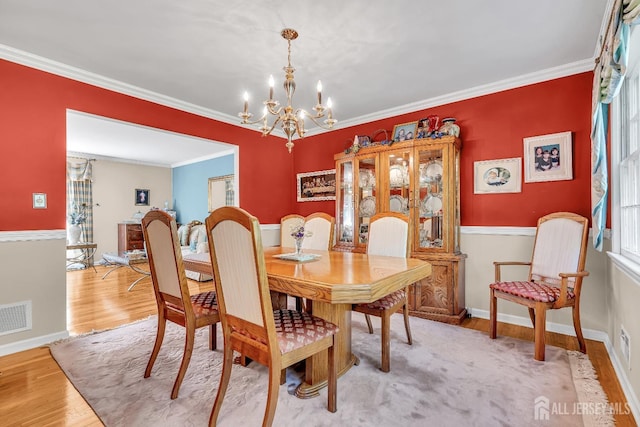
(420, 178)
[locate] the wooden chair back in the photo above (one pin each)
(241, 281)
(286, 224)
(389, 235)
(560, 246)
(321, 225)
(165, 260)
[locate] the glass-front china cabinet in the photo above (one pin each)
(420, 178)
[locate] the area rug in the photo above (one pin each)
(450, 376)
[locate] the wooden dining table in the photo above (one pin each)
(333, 282)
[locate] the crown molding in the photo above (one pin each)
(54, 67)
(60, 69)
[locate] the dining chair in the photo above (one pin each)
(274, 338)
(286, 225)
(321, 226)
(172, 291)
(555, 276)
(388, 236)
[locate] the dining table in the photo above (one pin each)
(333, 281)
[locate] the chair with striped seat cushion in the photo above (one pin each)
(388, 236)
(172, 291)
(250, 326)
(555, 276)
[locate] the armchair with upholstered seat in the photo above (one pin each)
(172, 291)
(555, 276)
(275, 338)
(388, 236)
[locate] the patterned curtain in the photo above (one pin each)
(611, 67)
(80, 194)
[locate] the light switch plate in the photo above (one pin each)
(39, 200)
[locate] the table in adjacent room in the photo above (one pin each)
(87, 250)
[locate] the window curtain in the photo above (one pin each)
(611, 66)
(80, 193)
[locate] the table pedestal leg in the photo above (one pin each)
(316, 366)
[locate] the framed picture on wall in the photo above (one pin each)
(142, 197)
(316, 186)
(548, 158)
(221, 192)
(497, 176)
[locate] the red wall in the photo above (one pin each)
(492, 127)
(33, 108)
(33, 147)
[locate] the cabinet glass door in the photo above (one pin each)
(345, 198)
(367, 203)
(429, 203)
(397, 166)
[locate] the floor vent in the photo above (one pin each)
(15, 317)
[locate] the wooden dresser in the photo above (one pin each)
(130, 237)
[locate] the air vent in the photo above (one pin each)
(15, 317)
(625, 346)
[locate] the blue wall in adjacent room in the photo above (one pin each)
(191, 187)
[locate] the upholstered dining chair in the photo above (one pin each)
(388, 236)
(286, 224)
(172, 291)
(321, 226)
(275, 338)
(555, 276)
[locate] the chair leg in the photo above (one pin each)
(493, 309)
(405, 310)
(369, 325)
(578, 328)
(332, 380)
(272, 397)
(385, 340)
(532, 316)
(190, 337)
(283, 376)
(213, 339)
(227, 362)
(539, 331)
(162, 323)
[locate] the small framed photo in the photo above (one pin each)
(497, 176)
(404, 132)
(316, 186)
(548, 158)
(142, 197)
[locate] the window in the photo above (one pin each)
(625, 171)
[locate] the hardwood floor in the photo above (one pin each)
(35, 392)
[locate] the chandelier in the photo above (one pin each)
(291, 122)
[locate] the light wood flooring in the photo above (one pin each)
(35, 392)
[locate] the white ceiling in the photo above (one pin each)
(375, 58)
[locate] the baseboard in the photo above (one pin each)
(30, 343)
(603, 337)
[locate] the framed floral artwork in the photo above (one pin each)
(142, 197)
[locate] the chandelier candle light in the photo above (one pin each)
(292, 122)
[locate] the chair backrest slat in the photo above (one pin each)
(286, 224)
(560, 247)
(321, 226)
(236, 263)
(388, 235)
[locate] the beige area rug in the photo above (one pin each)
(451, 376)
